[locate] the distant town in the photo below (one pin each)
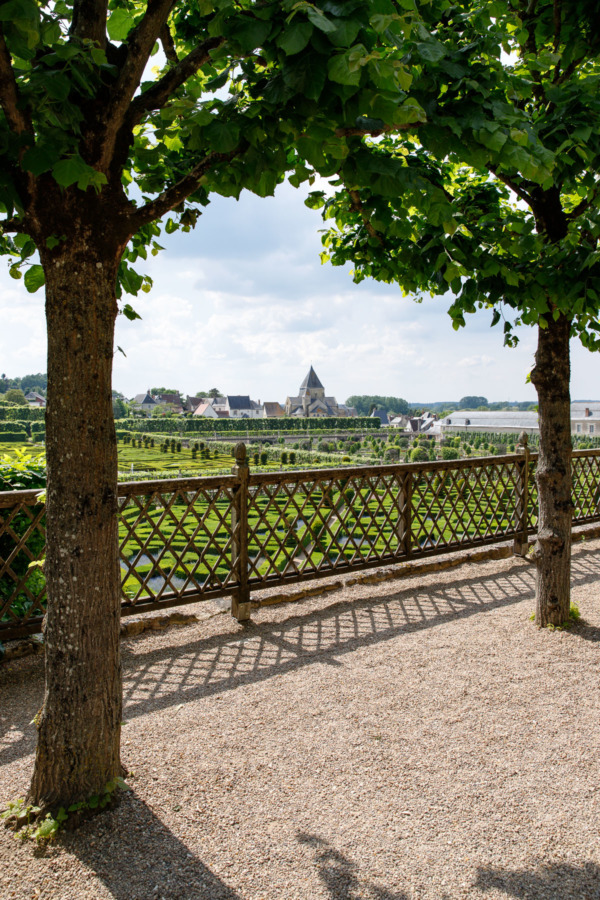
(470, 414)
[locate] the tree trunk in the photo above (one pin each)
(79, 725)
(551, 377)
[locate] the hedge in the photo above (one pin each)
(13, 437)
(200, 425)
(13, 426)
(38, 428)
(22, 414)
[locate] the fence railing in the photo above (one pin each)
(186, 540)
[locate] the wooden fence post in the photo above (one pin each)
(520, 544)
(405, 504)
(240, 601)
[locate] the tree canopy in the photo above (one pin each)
(364, 403)
(494, 198)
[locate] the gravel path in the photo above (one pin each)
(413, 739)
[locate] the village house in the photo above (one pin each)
(206, 409)
(35, 400)
(272, 410)
(240, 406)
(144, 402)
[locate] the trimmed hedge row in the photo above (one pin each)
(13, 426)
(199, 425)
(22, 414)
(13, 437)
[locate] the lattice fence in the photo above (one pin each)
(186, 540)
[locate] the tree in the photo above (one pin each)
(120, 408)
(473, 402)
(214, 392)
(16, 396)
(93, 156)
(365, 404)
(495, 197)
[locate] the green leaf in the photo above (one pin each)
(222, 136)
(119, 25)
(339, 70)
(34, 279)
(319, 20)
(37, 159)
(295, 37)
(130, 313)
(432, 51)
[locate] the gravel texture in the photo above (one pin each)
(412, 739)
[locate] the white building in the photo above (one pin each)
(503, 421)
(585, 417)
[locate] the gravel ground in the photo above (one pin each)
(412, 739)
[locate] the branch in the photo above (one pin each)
(178, 192)
(356, 205)
(89, 21)
(14, 226)
(519, 191)
(557, 16)
(156, 96)
(138, 46)
(18, 121)
(168, 44)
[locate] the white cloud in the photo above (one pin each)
(243, 303)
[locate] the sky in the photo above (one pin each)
(243, 304)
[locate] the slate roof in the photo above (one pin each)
(311, 381)
(140, 399)
(487, 420)
(578, 409)
(381, 415)
(239, 401)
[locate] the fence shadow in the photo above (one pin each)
(339, 874)
(146, 860)
(169, 676)
(554, 881)
(201, 668)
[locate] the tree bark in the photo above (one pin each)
(79, 725)
(551, 377)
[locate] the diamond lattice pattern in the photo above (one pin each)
(22, 583)
(453, 507)
(321, 524)
(175, 543)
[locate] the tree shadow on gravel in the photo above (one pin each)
(132, 852)
(340, 875)
(558, 881)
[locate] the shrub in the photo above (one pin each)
(292, 458)
(256, 458)
(284, 458)
(23, 472)
(449, 453)
(13, 437)
(419, 454)
(263, 458)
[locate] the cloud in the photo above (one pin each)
(243, 303)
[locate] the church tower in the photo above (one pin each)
(311, 387)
